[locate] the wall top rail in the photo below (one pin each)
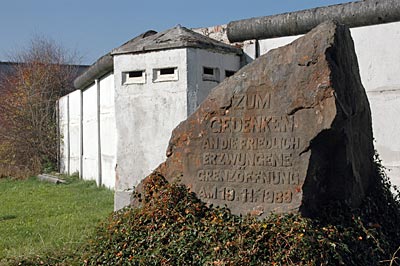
(353, 14)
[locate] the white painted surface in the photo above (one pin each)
(385, 106)
(379, 61)
(80, 145)
(198, 88)
(269, 44)
(108, 131)
(378, 55)
(63, 129)
(249, 51)
(90, 135)
(145, 116)
(74, 131)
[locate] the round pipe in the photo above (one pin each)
(353, 14)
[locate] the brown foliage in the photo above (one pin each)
(28, 128)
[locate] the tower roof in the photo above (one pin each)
(177, 37)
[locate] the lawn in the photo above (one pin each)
(39, 218)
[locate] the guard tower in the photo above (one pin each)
(160, 79)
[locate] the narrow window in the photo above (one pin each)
(167, 71)
(208, 71)
(165, 74)
(210, 74)
(134, 77)
(135, 74)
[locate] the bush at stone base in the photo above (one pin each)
(173, 227)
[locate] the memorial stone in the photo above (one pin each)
(289, 132)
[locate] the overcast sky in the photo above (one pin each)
(94, 27)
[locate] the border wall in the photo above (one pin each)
(88, 132)
(89, 115)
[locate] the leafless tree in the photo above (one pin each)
(41, 74)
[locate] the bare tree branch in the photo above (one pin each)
(28, 135)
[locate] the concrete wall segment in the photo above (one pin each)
(107, 130)
(90, 136)
(378, 56)
(63, 129)
(75, 131)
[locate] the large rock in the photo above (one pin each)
(288, 133)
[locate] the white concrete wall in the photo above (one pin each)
(108, 131)
(74, 131)
(145, 116)
(269, 44)
(63, 124)
(379, 60)
(378, 54)
(84, 116)
(198, 88)
(90, 154)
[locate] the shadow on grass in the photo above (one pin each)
(7, 217)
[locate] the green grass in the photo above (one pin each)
(39, 218)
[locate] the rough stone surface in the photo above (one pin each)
(287, 133)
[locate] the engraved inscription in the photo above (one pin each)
(251, 101)
(254, 143)
(251, 124)
(242, 176)
(247, 155)
(248, 159)
(246, 195)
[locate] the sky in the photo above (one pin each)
(92, 28)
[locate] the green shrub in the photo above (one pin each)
(173, 227)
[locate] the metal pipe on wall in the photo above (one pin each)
(353, 14)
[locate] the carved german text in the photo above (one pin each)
(246, 195)
(251, 124)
